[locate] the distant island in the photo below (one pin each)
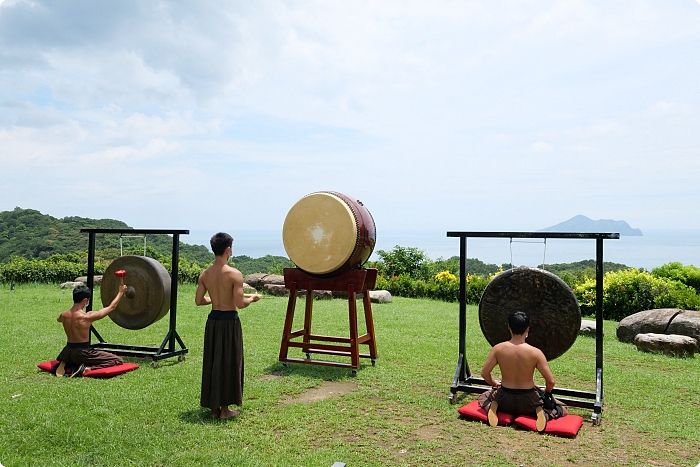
(584, 224)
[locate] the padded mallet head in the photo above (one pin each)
(120, 274)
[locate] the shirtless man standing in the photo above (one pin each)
(222, 366)
(76, 323)
(516, 393)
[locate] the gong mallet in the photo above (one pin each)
(130, 291)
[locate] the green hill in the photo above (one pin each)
(30, 234)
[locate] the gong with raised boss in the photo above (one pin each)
(555, 316)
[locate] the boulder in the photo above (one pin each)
(669, 344)
(248, 289)
(97, 280)
(276, 290)
(686, 323)
(380, 296)
(588, 328)
(259, 280)
(318, 294)
(648, 321)
(71, 285)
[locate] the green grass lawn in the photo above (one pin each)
(397, 412)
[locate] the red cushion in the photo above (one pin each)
(99, 373)
(473, 411)
(568, 425)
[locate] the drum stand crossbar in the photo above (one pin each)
(172, 337)
(352, 282)
(463, 379)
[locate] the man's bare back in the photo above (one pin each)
(76, 322)
(517, 361)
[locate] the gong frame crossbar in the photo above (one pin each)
(168, 347)
(464, 380)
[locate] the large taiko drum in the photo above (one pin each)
(327, 233)
(147, 297)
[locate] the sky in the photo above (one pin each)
(441, 115)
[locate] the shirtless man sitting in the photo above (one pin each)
(76, 323)
(516, 393)
(222, 362)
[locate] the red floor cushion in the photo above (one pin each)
(567, 426)
(473, 411)
(99, 373)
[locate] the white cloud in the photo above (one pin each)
(410, 105)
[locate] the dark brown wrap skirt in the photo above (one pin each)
(75, 354)
(222, 365)
(518, 401)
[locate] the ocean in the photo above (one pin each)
(654, 248)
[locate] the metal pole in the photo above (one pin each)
(175, 265)
(599, 327)
(463, 305)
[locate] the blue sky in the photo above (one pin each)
(504, 115)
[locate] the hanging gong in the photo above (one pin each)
(147, 298)
(555, 317)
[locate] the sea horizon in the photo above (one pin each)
(654, 248)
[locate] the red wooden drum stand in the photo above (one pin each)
(352, 281)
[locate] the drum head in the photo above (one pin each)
(320, 233)
(555, 317)
(148, 297)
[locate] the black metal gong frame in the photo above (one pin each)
(155, 353)
(464, 381)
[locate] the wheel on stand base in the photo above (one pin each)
(154, 364)
(354, 372)
(285, 364)
(180, 358)
(374, 362)
(308, 356)
(453, 398)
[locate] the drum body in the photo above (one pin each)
(148, 296)
(327, 233)
(555, 317)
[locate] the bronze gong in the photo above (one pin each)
(555, 317)
(148, 291)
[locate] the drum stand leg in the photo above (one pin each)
(350, 282)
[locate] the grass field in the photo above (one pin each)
(395, 413)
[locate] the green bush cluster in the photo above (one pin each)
(64, 268)
(688, 275)
(631, 291)
(55, 269)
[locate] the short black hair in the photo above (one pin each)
(219, 242)
(518, 321)
(80, 293)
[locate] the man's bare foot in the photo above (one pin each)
(215, 413)
(227, 413)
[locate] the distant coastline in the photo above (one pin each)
(655, 248)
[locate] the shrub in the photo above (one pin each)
(688, 275)
(631, 291)
(475, 287)
(403, 261)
